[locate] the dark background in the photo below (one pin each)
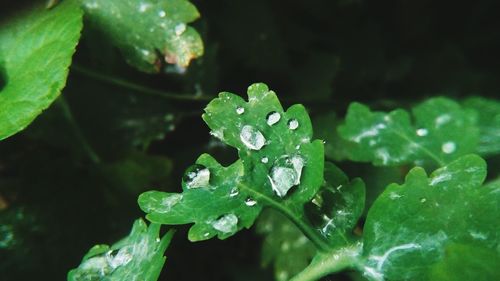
(72, 178)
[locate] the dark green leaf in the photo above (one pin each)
(148, 32)
(36, 47)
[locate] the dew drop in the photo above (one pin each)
(264, 160)
(250, 202)
(285, 174)
(226, 224)
(423, 200)
(240, 110)
(234, 192)
(293, 124)
(162, 14)
(422, 132)
(252, 138)
(168, 203)
(448, 147)
(197, 176)
(272, 118)
(143, 7)
(123, 257)
(179, 29)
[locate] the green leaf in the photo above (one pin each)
(335, 210)
(36, 47)
(441, 132)
(489, 124)
(284, 245)
(138, 256)
(338, 206)
(148, 32)
(279, 167)
(481, 264)
(409, 226)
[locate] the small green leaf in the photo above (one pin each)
(145, 30)
(489, 124)
(338, 206)
(441, 132)
(409, 226)
(279, 167)
(36, 47)
(138, 256)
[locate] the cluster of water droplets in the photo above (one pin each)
(106, 263)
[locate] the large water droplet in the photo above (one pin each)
(252, 138)
(448, 147)
(197, 176)
(293, 124)
(273, 118)
(285, 174)
(250, 202)
(226, 224)
(179, 29)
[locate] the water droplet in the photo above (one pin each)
(264, 160)
(240, 110)
(272, 118)
(226, 224)
(252, 138)
(197, 176)
(250, 202)
(162, 14)
(422, 132)
(143, 7)
(169, 202)
(234, 192)
(448, 147)
(123, 257)
(423, 200)
(394, 195)
(180, 28)
(285, 246)
(293, 124)
(285, 174)
(282, 276)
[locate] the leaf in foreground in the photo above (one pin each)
(279, 167)
(36, 47)
(441, 132)
(139, 256)
(148, 31)
(410, 226)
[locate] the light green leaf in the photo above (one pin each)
(148, 32)
(440, 132)
(489, 124)
(36, 46)
(138, 256)
(409, 226)
(279, 167)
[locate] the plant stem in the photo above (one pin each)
(61, 102)
(317, 239)
(137, 87)
(332, 262)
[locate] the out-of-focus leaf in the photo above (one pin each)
(36, 47)
(148, 31)
(441, 132)
(489, 124)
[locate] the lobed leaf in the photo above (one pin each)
(279, 167)
(488, 122)
(36, 47)
(138, 256)
(410, 226)
(441, 131)
(148, 31)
